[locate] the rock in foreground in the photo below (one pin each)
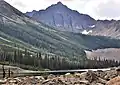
(110, 77)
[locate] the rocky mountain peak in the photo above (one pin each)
(58, 6)
(63, 18)
(59, 3)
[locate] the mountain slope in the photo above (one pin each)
(65, 19)
(109, 54)
(27, 33)
(107, 28)
(60, 16)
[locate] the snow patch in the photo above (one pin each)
(92, 26)
(59, 25)
(86, 32)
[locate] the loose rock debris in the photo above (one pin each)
(110, 77)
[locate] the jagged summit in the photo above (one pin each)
(60, 16)
(60, 3)
(65, 19)
(58, 6)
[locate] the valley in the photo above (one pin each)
(32, 44)
(57, 46)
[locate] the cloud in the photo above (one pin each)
(98, 9)
(109, 10)
(29, 5)
(18, 3)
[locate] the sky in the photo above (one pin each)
(98, 9)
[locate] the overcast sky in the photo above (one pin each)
(98, 9)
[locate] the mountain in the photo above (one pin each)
(109, 28)
(18, 31)
(15, 26)
(63, 18)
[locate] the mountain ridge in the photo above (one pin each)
(59, 15)
(39, 31)
(65, 19)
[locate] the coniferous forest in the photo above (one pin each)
(29, 44)
(39, 61)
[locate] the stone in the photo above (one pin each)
(118, 70)
(84, 82)
(91, 76)
(85, 78)
(102, 81)
(51, 76)
(101, 74)
(114, 81)
(40, 77)
(46, 81)
(83, 75)
(77, 75)
(3, 81)
(13, 81)
(99, 84)
(67, 74)
(110, 74)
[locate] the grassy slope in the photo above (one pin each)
(26, 33)
(46, 39)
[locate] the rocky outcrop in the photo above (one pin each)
(110, 77)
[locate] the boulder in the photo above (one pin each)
(114, 81)
(118, 70)
(68, 75)
(40, 77)
(83, 75)
(78, 75)
(100, 73)
(82, 82)
(91, 76)
(51, 76)
(3, 81)
(110, 74)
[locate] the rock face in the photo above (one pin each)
(9, 11)
(65, 19)
(110, 77)
(107, 28)
(114, 81)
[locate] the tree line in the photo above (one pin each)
(39, 61)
